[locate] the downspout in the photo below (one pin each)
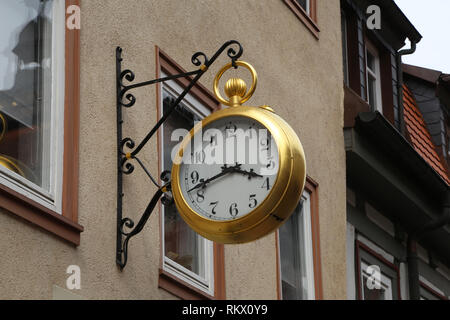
(399, 55)
(412, 258)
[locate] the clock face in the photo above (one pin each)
(229, 168)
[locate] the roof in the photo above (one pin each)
(392, 10)
(419, 135)
(428, 75)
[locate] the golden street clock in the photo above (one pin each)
(240, 172)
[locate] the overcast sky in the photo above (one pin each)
(432, 19)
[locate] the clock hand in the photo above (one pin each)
(225, 170)
(250, 173)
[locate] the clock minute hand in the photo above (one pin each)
(225, 170)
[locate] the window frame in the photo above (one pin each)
(428, 288)
(61, 217)
(311, 187)
(205, 246)
(169, 280)
(307, 17)
(52, 198)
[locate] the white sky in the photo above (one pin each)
(432, 19)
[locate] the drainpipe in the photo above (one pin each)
(412, 257)
(399, 55)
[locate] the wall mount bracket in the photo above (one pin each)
(125, 99)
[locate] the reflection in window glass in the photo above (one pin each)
(25, 88)
(181, 244)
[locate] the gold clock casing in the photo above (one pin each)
(279, 203)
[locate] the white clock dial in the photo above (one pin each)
(230, 168)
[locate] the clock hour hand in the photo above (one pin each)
(225, 170)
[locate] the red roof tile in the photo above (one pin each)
(420, 137)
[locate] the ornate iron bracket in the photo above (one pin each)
(125, 99)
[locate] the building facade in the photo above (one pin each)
(397, 179)
(58, 194)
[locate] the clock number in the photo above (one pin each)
(199, 157)
(253, 202)
(200, 196)
(234, 210)
(266, 184)
(214, 205)
(194, 176)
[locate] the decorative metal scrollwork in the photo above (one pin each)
(196, 61)
(124, 83)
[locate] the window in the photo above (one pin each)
(305, 11)
(377, 278)
(373, 78)
(298, 251)
(192, 266)
(39, 105)
(31, 145)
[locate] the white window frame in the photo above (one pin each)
(370, 48)
(206, 284)
(307, 246)
(52, 198)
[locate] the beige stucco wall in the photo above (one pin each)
(299, 76)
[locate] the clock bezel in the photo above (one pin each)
(279, 202)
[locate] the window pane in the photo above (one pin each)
(25, 88)
(181, 243)
(370, 61)
(292, 256)
(371, 88)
